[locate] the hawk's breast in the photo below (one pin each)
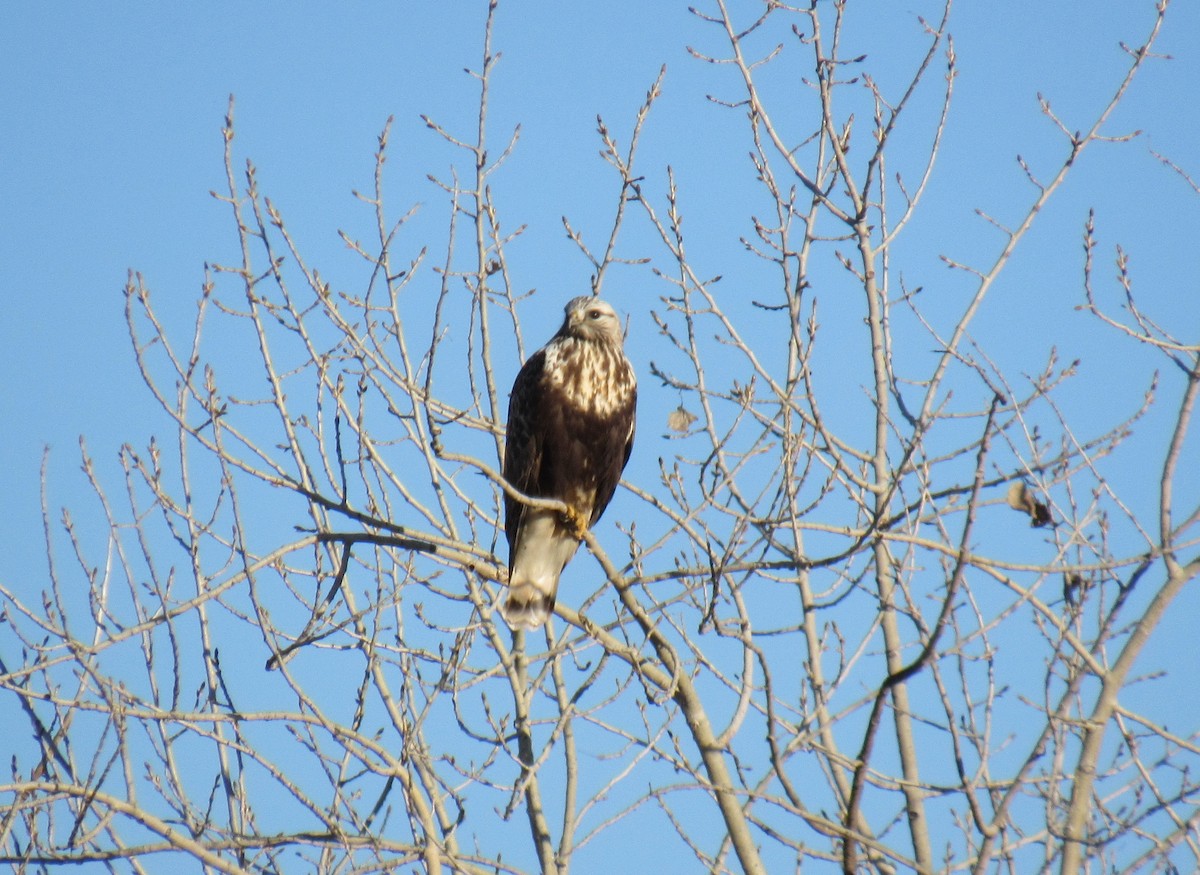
(593, 378)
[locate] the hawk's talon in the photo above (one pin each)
(575, 522)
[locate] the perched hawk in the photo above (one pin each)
(570, 430)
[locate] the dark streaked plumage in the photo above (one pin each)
(570, 431)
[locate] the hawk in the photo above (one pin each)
(570, 431)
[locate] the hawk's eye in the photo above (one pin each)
(595, 314)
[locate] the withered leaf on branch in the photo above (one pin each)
(1020, 497)
(1074, 585)
(680, 419)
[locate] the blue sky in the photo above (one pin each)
(112, 118)
(111, 144)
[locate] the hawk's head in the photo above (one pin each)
(589, 318)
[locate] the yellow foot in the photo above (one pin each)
(576, 521)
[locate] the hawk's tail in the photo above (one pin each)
(525, 606)
(543, 549)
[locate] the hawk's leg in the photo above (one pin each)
(577, 522)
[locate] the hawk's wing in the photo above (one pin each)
(523, 448)
(539, 542)
(620, 438)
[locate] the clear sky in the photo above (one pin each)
(111, 119)
(111, 116)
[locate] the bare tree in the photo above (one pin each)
(810, 641)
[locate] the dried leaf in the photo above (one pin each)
(680, 419)
(1020, 497)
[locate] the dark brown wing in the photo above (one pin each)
(523, 446)
(617, 443)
